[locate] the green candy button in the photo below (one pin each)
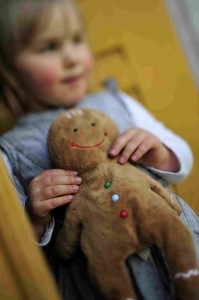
(107, 184)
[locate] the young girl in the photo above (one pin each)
(45, 66)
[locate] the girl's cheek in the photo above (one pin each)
(49, 77)
(46, 75)
(88, 62)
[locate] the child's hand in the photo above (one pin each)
(143, 147)
(48, 190)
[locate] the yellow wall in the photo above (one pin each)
(134, 41)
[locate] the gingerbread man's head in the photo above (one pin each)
(78, 139)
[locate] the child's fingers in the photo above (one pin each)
(127, 152)
(55, 172)
(121, 142)
(53, 180)
(41, 209)
(148, 144)
(51, 192)
(58, 201)
(141, 150)
(133, 145)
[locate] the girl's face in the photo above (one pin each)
(56, 65)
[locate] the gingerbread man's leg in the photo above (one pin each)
(68, 238)
(175, 240)
(112, 279)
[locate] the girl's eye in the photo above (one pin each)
(50, 47)
(77, 38)
(93, 124)
(75, 129)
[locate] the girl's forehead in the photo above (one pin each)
(60, 20)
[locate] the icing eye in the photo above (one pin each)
(75, 129)
(93, 124)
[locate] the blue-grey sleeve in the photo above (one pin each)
(50, 227)
(142, 118)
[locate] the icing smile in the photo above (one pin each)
(73, 144)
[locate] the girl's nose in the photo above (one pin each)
(70, 57)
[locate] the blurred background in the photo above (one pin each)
(150, 47)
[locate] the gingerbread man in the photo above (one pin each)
(118, 211)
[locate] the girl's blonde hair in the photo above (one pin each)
(20, 20)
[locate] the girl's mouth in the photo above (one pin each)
(73, 80)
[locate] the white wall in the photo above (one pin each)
(185, 18)
(193, 8)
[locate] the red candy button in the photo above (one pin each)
(123, 214)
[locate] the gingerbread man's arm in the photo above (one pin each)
(169, 198)
(68, 238)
